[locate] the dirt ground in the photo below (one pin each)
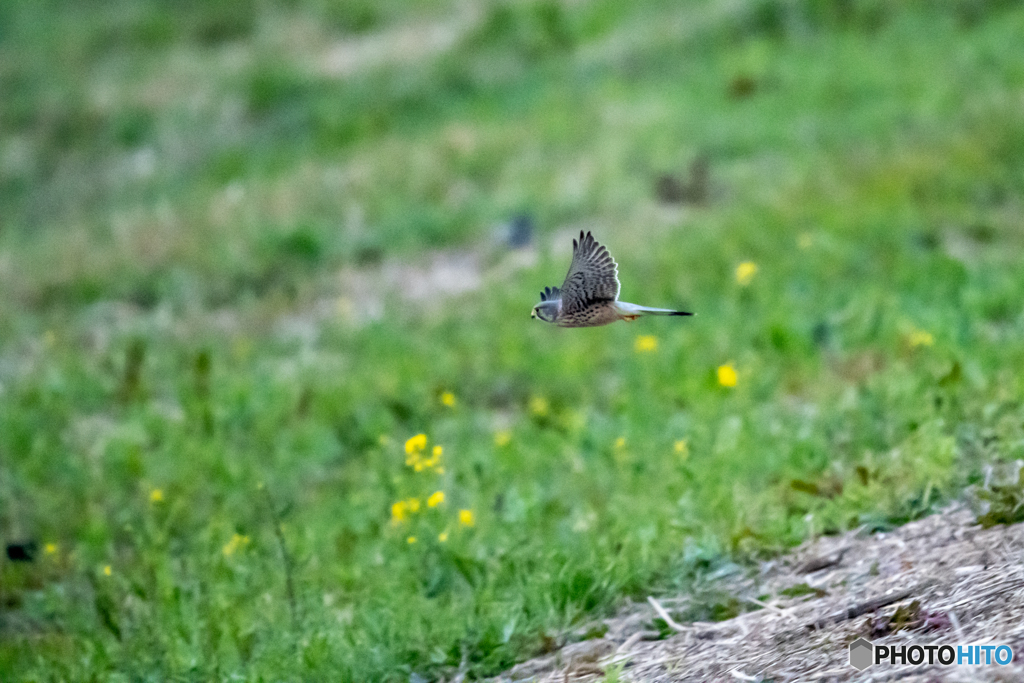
(940, 580)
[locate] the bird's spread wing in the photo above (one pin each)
(592, 275)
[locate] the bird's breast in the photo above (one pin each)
(593, 315)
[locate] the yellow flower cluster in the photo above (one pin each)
(502, 437)
(745, 272)
(682, 448)
(920, 338)
(415, 444)
(415, 448)
(539, 406)
(421, 458)
(401, 510)
(448, 399)
(237, 542)
(156, 496)
(646, 343)
(727, 376)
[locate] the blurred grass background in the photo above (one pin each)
(249, 249)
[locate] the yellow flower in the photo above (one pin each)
(50, 548)
(107, 571)
(646, 343)
(443, 536)
(539, 406)
(413, 504)
(237, 542)
(466, 518)
(727, 376)
(399, 512)
(156, 496)
(745, 272)
(620, 443)
(502, 437)
(448, 399)
(804, 240)
(414, 448)
(410, 540)
(433, 461)
(415, 444)
(436, 498)
(681, 448)
(920, 338)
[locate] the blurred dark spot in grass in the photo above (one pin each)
(532, 29)
(352, 17)
(81, 291)
(799, 18)
(304, 245)
(133, 126)
(228, 165)
(275, 88)
(70, 126)
(148, 24)
(22, 551)
(368, 254)
(982, 232)
(692, 188)
(743, 86)
(829, 488)
(131, 377)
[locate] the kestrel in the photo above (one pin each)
(589, 296)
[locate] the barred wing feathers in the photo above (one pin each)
(592, 276)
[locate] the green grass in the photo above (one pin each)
(181, 185)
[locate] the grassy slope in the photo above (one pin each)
(874, 174)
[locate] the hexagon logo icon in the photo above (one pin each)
(861, 654)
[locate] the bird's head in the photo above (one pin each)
(546, 311)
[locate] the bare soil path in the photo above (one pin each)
(939, 580)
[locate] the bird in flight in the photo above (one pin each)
(590, 294)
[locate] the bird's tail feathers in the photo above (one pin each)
(634, 309)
